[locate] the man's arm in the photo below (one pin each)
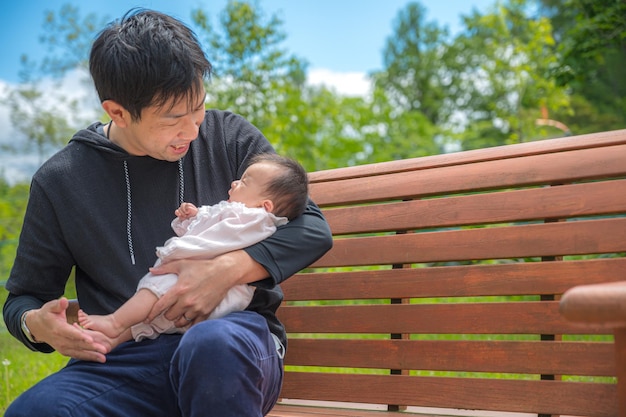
(202, 284)
(294, 246)
(14, 307)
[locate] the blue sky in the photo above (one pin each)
(336, 35)
(342, 40)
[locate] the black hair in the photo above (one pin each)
(289, 190)
(148, 58)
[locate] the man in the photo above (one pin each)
(104, 203)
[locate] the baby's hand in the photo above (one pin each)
(185, 211)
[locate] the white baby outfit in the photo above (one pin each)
(215, 230)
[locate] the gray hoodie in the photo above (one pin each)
(95, 208)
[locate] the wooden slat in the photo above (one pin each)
(554, 239)
(593, 140)
(282, 410)
(541, 397)
(530, 357)
(597, 198)
(532, 278)
(563, 167)
(463, 318)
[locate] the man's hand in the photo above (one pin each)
(49, 325)
(202, 284)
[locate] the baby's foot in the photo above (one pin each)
(104, 324)
(84, 319)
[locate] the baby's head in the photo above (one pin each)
(276, 183)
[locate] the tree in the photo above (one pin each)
(68, 37)
(41, 112)
(257, 78)
(415, 76)
(591, 39)
(247, 59)
(505, 60)
(42, 122)
(411, 105)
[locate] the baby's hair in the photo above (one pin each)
(289, 190)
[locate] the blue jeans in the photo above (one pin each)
(223, 367)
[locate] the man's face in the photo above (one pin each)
(165, 132)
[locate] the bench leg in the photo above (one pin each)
(620, 360)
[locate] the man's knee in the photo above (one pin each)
(219, 340)
(39, 402)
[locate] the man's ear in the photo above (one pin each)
(268, 205)
(118, 114)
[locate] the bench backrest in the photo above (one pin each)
(442, 287)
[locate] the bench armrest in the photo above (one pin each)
(596, 304)
(72, 312)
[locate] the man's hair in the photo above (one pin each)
(289, 190)
(148, 58)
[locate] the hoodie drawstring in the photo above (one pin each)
(181, 182)
(129, 206)
(129, 213)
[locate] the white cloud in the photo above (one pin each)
(7, 131)
(346, 83)
(20, 167)
(73, 86)
(11, 167)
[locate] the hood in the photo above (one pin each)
(95, 137)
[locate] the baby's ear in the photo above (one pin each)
(268, 205)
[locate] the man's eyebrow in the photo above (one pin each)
(203, 102)
(179, 115)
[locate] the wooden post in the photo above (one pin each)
(620, 361)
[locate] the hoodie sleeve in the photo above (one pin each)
(12, 311)
(41, 266)
(294, 246)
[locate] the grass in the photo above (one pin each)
(22, 368)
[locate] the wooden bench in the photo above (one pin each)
(441, 293)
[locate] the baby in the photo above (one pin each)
(272, 191)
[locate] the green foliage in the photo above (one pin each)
(68, 37)
(591, 40)
(45, 127)
(505, 58)
(255, 77)
(413, 58)
(46, 117)
(13, 200)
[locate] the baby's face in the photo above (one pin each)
(250, 189)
